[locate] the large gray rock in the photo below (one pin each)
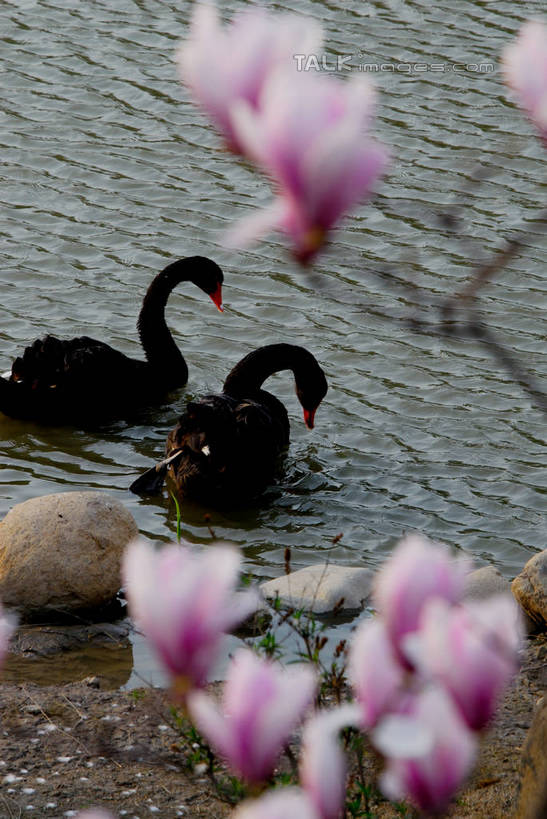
(320, 588)
(62, 552)
(37, 642)
(530, 589)
(532, 788)
(56, 655)
(485, 582)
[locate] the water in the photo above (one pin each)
(109, 172)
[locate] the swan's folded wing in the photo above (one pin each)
(65, 364)
(262, 430)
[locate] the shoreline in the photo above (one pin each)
(68, 747)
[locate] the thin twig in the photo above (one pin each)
(454, 317)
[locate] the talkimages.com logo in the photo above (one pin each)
(341, 63)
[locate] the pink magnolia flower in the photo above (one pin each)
(263, 702)
(374, 671)
(222, 66)
(185, 601)
(7, 627)
(472, 650)
(322, 762)
(283, 803)
(416, 572)
(431, 777)
(309, 135)
(525, 67)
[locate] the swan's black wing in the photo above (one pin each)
(53, 363)
(70, 380)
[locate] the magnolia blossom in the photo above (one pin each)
(374, 671)
(416, 572)
(222, 66)
(185, 601)
(263, 702)
(525, 67)
(432, 774)
(309, 135)
(7, 627)
(322, 761)
(472, 651)
(283, 803)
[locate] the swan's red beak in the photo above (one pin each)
(309, 415)
(217, 297)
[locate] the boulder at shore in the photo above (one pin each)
(62, 552)
(532, 789)
(484, 583)
(530, 589)
(322, 588)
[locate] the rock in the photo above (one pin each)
(35, 642)
(60, 553)
(320, 588)
(55, 655)
(485, 582)
(530, 589)
(532, 788)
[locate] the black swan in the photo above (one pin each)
(226, 447)
(81, 380)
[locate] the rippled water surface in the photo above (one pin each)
(108, 172)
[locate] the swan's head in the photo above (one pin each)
(310, 391)
(209, 277)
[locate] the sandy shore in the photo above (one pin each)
(65, 748)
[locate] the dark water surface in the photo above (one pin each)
(108, 172)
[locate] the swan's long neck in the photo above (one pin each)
(158, 343)
(248, 376)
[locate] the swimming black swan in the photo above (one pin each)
(81, 380)
(226, 447)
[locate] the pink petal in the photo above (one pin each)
(256, 225)
(402, 736)
(416, 572)
(322, 761)
(8, 623)
(341, 170)
(224, 66)
(472, 651)
(308, 135)
(210, 721)
(263, 702)
(184, 601)
(375, 674)
(283, 803)
(524, 64)
(431, 780)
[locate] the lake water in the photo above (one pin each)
(109, 172)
